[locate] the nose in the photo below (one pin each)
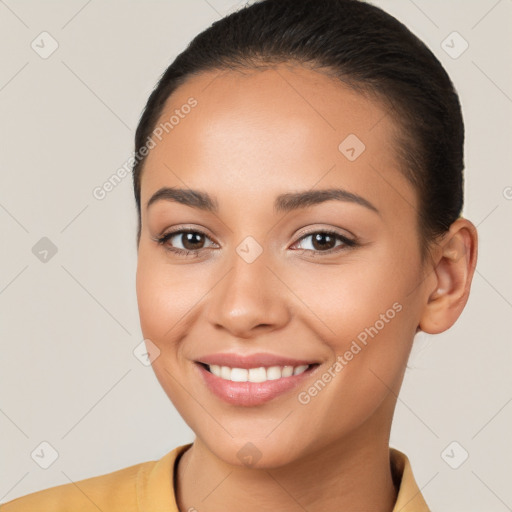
(249, 299)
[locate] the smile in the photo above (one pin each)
(253, 380)
(260, 374)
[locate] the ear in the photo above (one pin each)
(449, 283)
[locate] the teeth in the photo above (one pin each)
(256, 374)
(239, 374)
(216, 370)
(225, 372)
(274, 372)
(287, 371)
(300, 369)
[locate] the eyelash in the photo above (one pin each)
(347, 242)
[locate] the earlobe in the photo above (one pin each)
(451, 278)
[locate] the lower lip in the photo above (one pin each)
(248, 394)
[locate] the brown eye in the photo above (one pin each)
(191, 240)
(325, 242)
(185, 242)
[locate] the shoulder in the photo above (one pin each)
(118, 491)
(112, 491)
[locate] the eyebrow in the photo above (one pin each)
(283, 203)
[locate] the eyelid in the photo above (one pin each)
(324, 229)
(187, 228)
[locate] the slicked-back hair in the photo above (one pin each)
(368, 50)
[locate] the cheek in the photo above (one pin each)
(342, 300)
(165, 303)
(166, 295)
(153, 298)
(369, 356)
(364, 316)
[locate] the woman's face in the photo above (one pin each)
(263, 278)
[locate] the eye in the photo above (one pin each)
(324, 242)
(191, 240)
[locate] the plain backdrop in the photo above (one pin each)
(69, 320)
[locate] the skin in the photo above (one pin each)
(253, 136)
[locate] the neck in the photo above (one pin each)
(353, 473)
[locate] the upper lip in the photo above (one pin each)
(258, 360)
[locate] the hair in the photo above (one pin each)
(368, 50)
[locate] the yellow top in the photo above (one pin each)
(148, 487)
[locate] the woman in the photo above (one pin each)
(299, 184)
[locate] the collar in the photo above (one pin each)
(409, 497)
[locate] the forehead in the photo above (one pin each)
(280, 128)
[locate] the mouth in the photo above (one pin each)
(257, 374)
(253, 385)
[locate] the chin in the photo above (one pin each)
(254, 452)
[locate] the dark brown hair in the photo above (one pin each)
(368, 50)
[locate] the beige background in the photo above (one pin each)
(68, 328)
